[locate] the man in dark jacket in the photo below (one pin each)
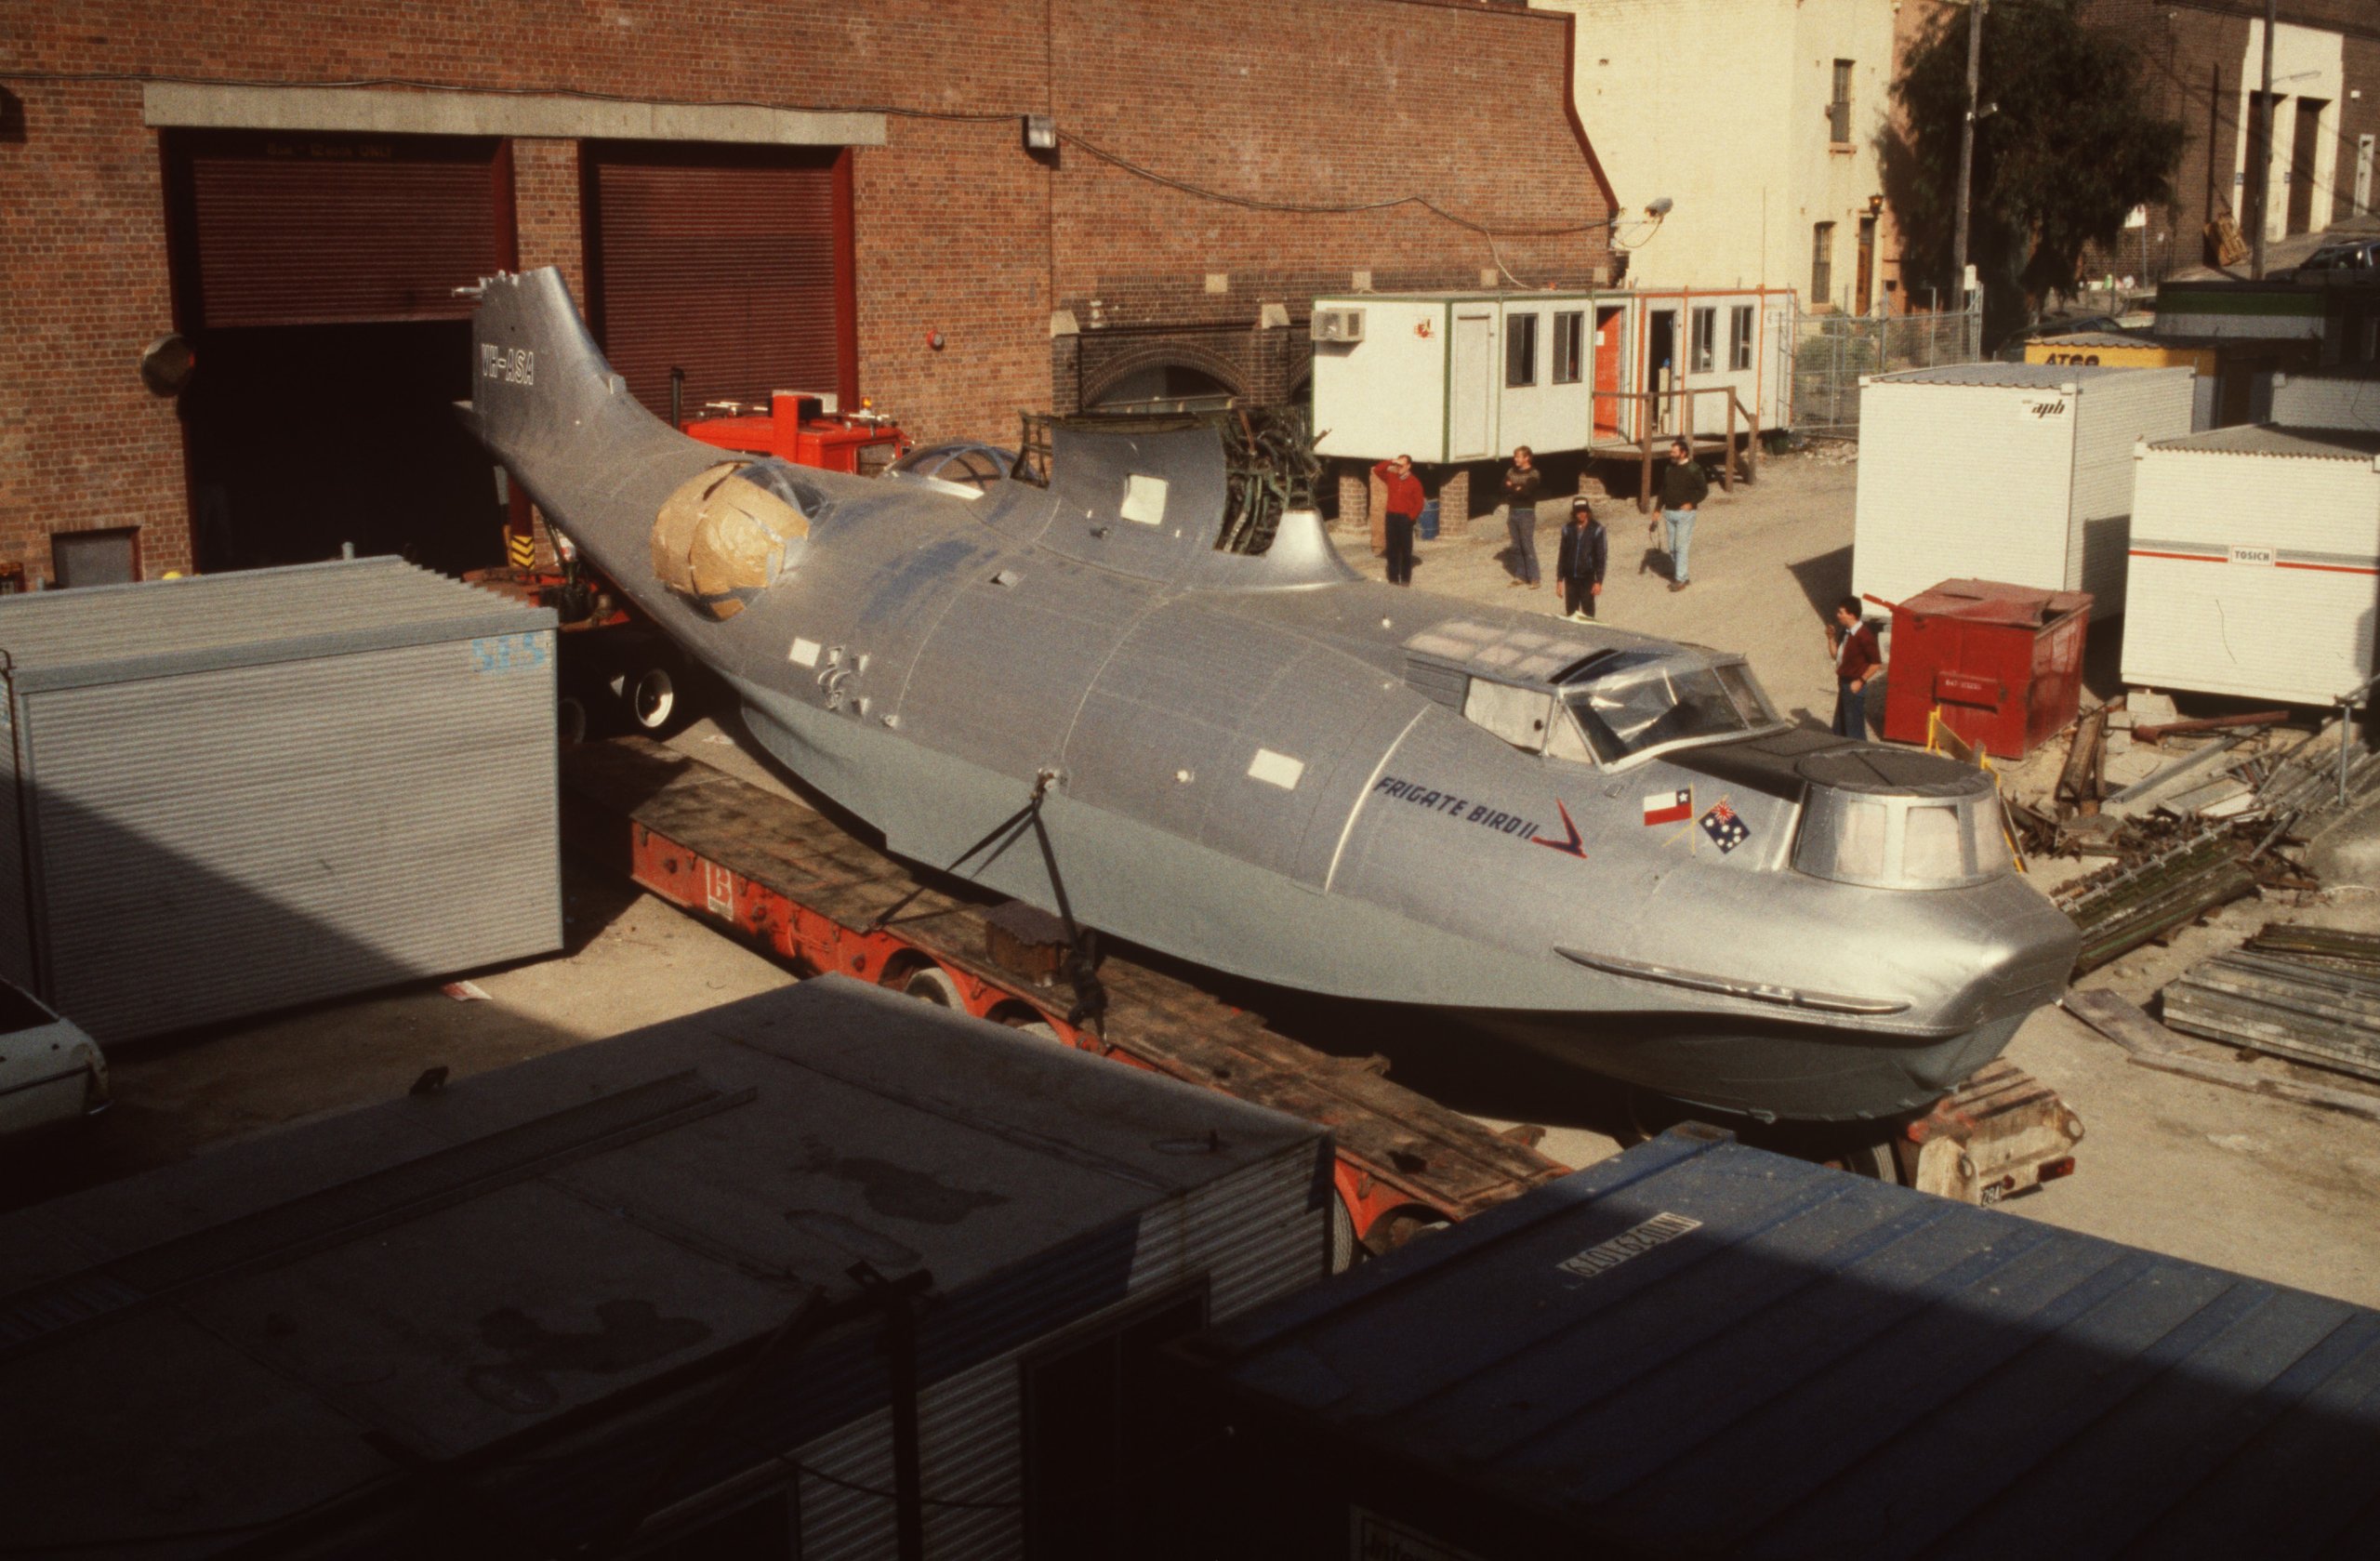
(1857, 660)
(1404, 509)
(1683, 490)
(1585, 548)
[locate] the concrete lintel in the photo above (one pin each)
(386, 111)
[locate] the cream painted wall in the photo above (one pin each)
(2306, 63)
(1721, 106)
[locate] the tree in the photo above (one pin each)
(2069, 145)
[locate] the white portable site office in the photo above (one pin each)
(1701, 339)
(2256, 563)
(2019, 472)
(1447, 378)
(2327, 401)
(1450, 376)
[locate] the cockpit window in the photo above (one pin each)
(1518, 715)
(1635, 702)
(969, 470)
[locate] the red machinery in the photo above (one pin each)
(807, 429)
(2002, 663)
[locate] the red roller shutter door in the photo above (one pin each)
(297, 230)
(732, 264)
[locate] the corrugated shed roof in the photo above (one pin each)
(1701, 1349)
(2265, 439)
(2011, 377)
(538, 1243)
(2099, 338)
(204, 617)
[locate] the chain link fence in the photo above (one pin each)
(1826, 354)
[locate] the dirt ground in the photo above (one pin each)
(2243, 1182)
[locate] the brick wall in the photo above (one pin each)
(959, 231)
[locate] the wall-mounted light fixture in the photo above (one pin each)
(1040, 133)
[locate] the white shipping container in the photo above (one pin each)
(2019, 472)
(2256, 563)
(2327, 401)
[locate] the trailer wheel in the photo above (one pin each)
(1025, 1019)
(1345, 1250)
(570, 719)
(1874, 1161)
(652, 699)
(933, 984)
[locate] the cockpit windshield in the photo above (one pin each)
(1629, 703)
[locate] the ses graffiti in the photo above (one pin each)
(516, 365)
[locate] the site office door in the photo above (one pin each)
(732, 263)
(316, 276)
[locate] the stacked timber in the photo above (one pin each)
(2120, 907)
(2306, 994)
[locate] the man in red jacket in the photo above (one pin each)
(1857, 660)
(1404, 509)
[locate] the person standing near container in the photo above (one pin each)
(1683, 490)
(1857, 661)
(1524, 485)
(1403, 506)
(1579, 560)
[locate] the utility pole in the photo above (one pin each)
(2262, 172)
(1966, 147)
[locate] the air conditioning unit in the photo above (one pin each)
(1337, 324)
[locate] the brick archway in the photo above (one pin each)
(1101, 378)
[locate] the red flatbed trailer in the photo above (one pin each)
(798, 885)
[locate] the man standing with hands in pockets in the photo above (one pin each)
(1857, 659)
(1683, 490)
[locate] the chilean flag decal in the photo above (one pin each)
(1670, 807)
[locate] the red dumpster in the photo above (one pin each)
(2002, 663)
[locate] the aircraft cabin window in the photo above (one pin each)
(1636, 708)
(1933, 849)
(1518, 715)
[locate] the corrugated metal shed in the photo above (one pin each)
(485, 1320)
(2009, 377)
(239, 792)
(1701, 1349)
(2255, 552)
(2265, 439)
(2018, 472)
(2327, 401)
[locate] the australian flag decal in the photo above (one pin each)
(1727, 832)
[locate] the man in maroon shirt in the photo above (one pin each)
(1404, 509)
(1857, 659)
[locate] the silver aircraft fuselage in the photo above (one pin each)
(1603, 844)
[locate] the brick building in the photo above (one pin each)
(792, 196)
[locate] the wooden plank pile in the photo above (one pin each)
(2308, 994)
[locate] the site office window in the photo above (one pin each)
(1569, 346)
(1739, 328)
(1520, 351)
(1706, 329)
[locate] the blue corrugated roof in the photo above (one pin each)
(1701, 1347)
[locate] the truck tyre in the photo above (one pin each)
(651, 698)
(933, 984)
